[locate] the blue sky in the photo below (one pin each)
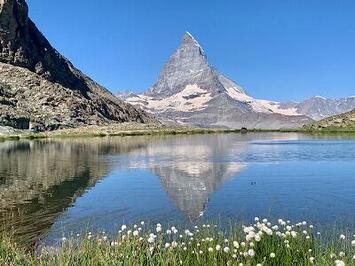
(279, 49)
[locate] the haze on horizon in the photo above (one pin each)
(290, 50)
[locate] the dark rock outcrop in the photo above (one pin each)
(42, 90)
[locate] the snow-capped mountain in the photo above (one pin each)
(190, 91)
(319, 107)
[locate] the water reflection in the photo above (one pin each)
(40, 179)
(47, 184)
(190, 169)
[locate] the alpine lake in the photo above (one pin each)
(61, 187)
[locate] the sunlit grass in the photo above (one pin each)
(261, 243)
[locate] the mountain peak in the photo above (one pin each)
(189, 40)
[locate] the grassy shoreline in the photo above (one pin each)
(130, 129)
(260, 243)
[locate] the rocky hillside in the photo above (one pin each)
(344, 121)
(190, 91)
(42, 90)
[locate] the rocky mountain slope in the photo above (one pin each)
(42, 90)
(344, 121)
(190, 91)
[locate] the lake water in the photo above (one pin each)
(51, 188)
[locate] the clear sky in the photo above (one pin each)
(276, 49)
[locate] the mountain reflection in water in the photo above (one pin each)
(45, 184)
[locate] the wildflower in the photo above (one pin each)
(167, 245)
(142, 222)
(158, 229)
(168, 232)
(135, 233)
(294, 234)
(353, 243)
(123, 227)
(339, 263)
(129, 232)
(288, 227)
(332, 255)
(272, 255)
(210, 249)
(64, 239)
(311, 260)
(151, 240)
(226, 249)
(310, 250)
(311, 226)
(308, 237)
(256, 219)
(104, 238)
(218, 247)
(264, 221)
(201, 252)
(318, 233)
(236, 244)
(251, 252)
(342, 236)
(251, 244)
(304, 222)
(185, 248)
(257, 238)
(275, 227)
(234, 256)
(305, 232)
(242, 244)
(341, 254)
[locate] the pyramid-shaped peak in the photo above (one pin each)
(189, 39)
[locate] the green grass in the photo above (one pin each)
(204, 245)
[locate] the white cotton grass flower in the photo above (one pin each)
(353, 243)
(341, 254)
(135, 233)
(210, 249)
(311, 260)
(236, 244)
(123, 227)
(226, 249)
(251, 252)
(167, 245)
(342, 237)
(272, 255)
(339, 263)
(218, 247)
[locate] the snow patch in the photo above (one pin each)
(260, 106)
(191, 98)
